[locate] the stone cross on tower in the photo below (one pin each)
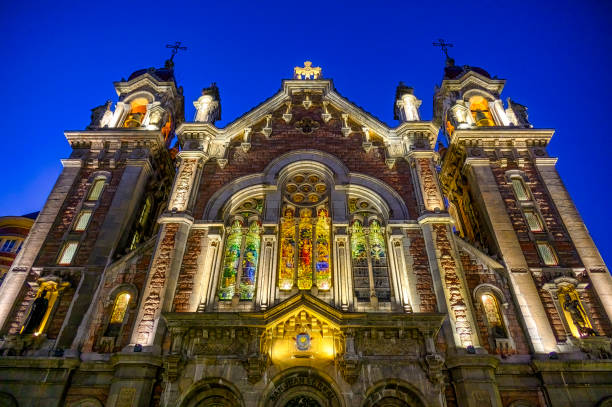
(307, 72)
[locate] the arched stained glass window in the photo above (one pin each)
(359, 254)
(490, 306)
(305, 245)
(287, 250)
(122, 300)
(231, 261)
(241, 256)
(323, 269)
(368, 253)
(249, 261)
(378, 255)
(305, 250)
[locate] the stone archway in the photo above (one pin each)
(393, 394)
(7, 400)
(301, 387)
(212, 393)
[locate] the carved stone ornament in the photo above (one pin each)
(307, 72)
(306, 125)
(255, 367)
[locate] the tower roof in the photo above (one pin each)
(161, 74)
(452, 71)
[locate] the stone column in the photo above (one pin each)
(449, 282)
(343, 280)
(15, 278)
(593, 263)
(473, 377)
(125, 202)
(206, 266)
(266, 272)
(399, 272)
(133, 380)
(423, 162)
(167, 258)
(490, 200)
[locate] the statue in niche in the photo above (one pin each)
(39, 309)
(101, 116)
(208, 107)
(574, 308)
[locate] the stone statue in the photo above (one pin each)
(517, 114)
(575, 310)
(100, 116)
(37, 313)
(208, 107)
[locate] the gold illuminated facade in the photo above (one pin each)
(307, 254)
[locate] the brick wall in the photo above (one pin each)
(189, 268)
(424, 283)
(328, 138)
(476, 274)
(50, 249)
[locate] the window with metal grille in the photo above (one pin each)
(96, 189)
(547, 254)
(67, 253)
(520, 190)
(82, 221)
(534, 221)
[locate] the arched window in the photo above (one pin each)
(241, 256)
(305, 234)
(519, 187)
(138, 110)
(495, 322)
(96, 189)
(368, 253)
(479, 107)
(122, 301)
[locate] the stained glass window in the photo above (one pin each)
(231, 261)
(249, 262)
(287, 264)
(305, 250)
(359, 254)
(323, 270)
(368, 252)
(121, 304)
(122, 300)
(378, 255)
(494, 318)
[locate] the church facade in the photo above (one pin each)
(307, 254)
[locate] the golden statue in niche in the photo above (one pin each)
(575, 315)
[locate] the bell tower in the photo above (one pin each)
(507, 199)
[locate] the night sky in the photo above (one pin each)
(60, 60)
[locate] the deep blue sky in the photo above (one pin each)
(59, 61)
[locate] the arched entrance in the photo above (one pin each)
(393, 394)
(212, 393)
(301, 387)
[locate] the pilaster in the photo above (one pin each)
(343, 282)
(592, 260)
(15, 278)
(488, 196)
(135, 374)
(125, 203)
(473, 377)
(266, 279)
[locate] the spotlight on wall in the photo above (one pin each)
(471, 350)
(553, 356)
(138, 348)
